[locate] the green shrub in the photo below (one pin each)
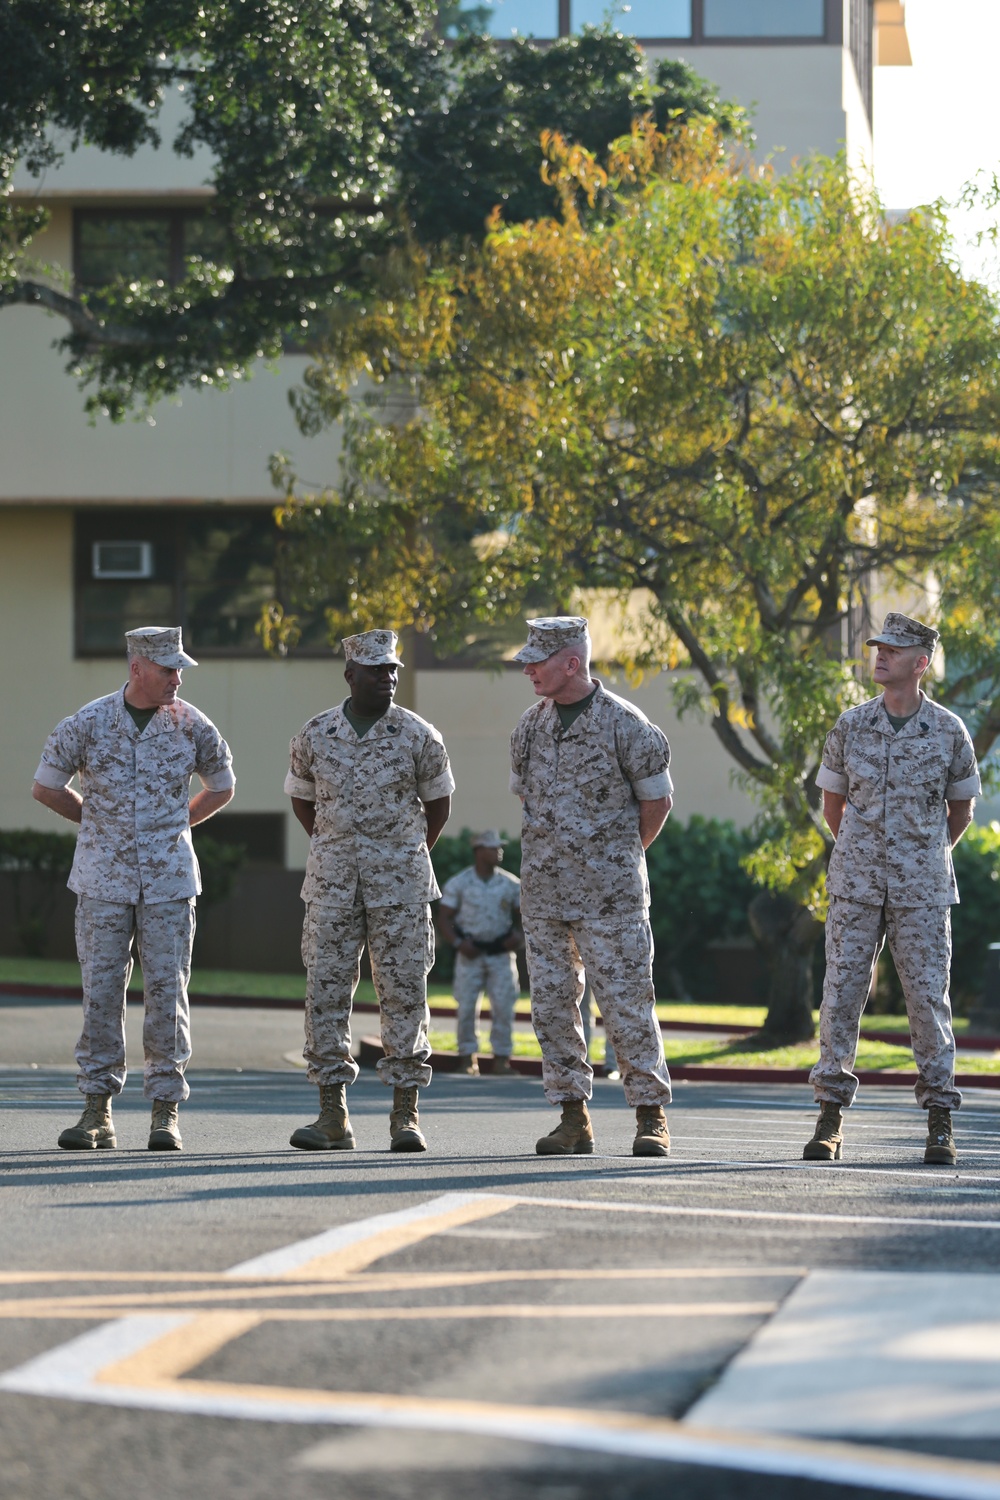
(975, 922)
(699, 894)
(220, 863)
(38, 866)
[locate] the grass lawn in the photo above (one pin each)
(723, 1054)
(715, 1052)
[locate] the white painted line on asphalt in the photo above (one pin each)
(928, 1178)
(673, 1210)
(73, 1373)
(139, 1361)
(290, 1258)
(873, 1355)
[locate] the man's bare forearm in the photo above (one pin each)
(305, 813)
(833, 810)
(437, 812)
(959, 818)
(60, 799)
(652, 816)
(205, 804)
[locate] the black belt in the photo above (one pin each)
(489, 946)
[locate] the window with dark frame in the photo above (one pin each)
(112, 245)
(700, 22)
(210, 571)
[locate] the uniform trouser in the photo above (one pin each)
(401, 948)
(496, 973)
(617, 954)
(920, 944)
(587, 1009)
(163, 932)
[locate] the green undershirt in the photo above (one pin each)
(897, 722)
(140, 716)
(570, 712)
(358, 724)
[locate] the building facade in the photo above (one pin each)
(167, 519)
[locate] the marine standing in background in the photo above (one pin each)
(478, 915)
(592, 774)
(371, 785)
(899, 779)
(135, 873)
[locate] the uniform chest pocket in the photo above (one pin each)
(865, 768)
(922, 766)
(601, 786)
(170, 756)
(392, 771)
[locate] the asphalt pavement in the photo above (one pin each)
(243, 1320)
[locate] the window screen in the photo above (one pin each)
(502, 18)
(745, 18)
(645, 18)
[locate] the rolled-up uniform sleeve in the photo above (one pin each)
(646, 760)
(831, 776)
(215, 761)
(964, 781)
(831, 781)
(652, 788)
(299, 782)
(61, 757)
(434, 778)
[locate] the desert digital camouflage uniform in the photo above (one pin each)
(485, 910)
(368, 878)
(135, 875)
(891, 876)
(584, 889)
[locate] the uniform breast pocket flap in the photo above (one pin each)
(393, 771)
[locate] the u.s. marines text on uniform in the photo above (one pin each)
(899, 777)
(371, 784)
(592, 774)
(135, 874)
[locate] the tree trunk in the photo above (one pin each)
(787, 932)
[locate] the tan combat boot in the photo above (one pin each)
(503, 1067)
(164, 1133)
(95, 1130)
(827, 1137)
(573, 1136)
(404, 1121)
(468, 1065)
(332, 1131)
(940, 1150)
(652, 1138)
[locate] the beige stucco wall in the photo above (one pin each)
(258, 705)
(202, 445)
(803, 99)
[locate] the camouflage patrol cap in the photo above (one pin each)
(373, 648)
(488, 839)
(550, 634)
(900, 630)
(160, 644)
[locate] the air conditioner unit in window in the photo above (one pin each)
(122, 559)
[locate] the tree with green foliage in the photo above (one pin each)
(337, 133)
(726, 398)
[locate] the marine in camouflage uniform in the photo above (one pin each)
(134, 873)
(595, 792)
(373, 794)
(897, 796)
(479, 914)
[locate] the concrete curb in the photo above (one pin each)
(444, 1062)
(370, 1050)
